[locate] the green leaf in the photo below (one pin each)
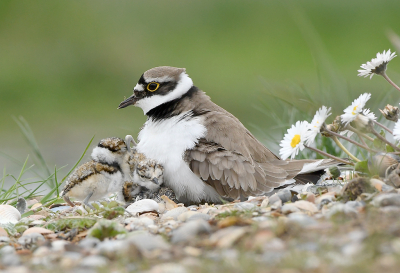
(361, 166)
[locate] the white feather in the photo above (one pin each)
(166, 141)
(312, 167)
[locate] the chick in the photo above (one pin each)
(104, 174)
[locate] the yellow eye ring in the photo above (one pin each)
(153, 86)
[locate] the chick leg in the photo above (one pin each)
(86, 201)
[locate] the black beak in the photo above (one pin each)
(129, 101)
(155, 180)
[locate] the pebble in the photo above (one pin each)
(190, 230)
(144, 205)
(244, 206)
(5, 250)
(386, 199)
(89, 242)
(10, 260)
(289, 208)
(174, 213)
(4, 239)
(31, 238)
(94, 261)
(186, 215)
(39, 230)
(145, 241)
(301, 219)
(168, 268)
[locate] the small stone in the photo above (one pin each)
(190, 230)
(41, 251)
(274, 198)
(39, 230)
(168, 268)
(89, 242)
(145, 241)
(301, 219)
(226, 237)
(340, 209)
(10, 260)
(144, 205)
(306, 206)
(289, 208)
(94, 261)
(174, 213)
(3, 232)
(4, 239)
(199, 216)
(59, 245)
(285, 195)
(265, 202)
(115, 248)
(31, 238)
(386, 199)
(7, 250)
(244, 206)
(184, 216)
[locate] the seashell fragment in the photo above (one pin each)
(9, 214)
(39, 230)
(144, 205)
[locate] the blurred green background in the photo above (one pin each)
(66, 65)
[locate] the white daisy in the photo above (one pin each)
(315, 126)
(376, 65)
(351, 112)
(369, 114)
(396, 130)
(293, 141)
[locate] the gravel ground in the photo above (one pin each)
(334, 227)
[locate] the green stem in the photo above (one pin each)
(330, 156)
(350, 140)
(383, 74)
(382, 138)
(344, 149)
(384, 127)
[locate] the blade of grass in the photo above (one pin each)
(30, 138)
(47, 197)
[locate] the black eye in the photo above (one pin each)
(153, 86)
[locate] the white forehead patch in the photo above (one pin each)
(184, 84)
(138, 87)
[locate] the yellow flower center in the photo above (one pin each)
(354, 110)
(295, 141)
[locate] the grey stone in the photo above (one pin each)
(274, 198)
(387, 199)
(199, 216)
(113, 248)
(10, 260)
(7, 250)
(30, 239)
(145, 241)
(244, 206)
(190, 230)
(94, 261)
(301, 219)
(60, 208)
(4, 239)
(340, 208)
(285, 195)
(174, 213)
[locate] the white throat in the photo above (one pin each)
(184, 84)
